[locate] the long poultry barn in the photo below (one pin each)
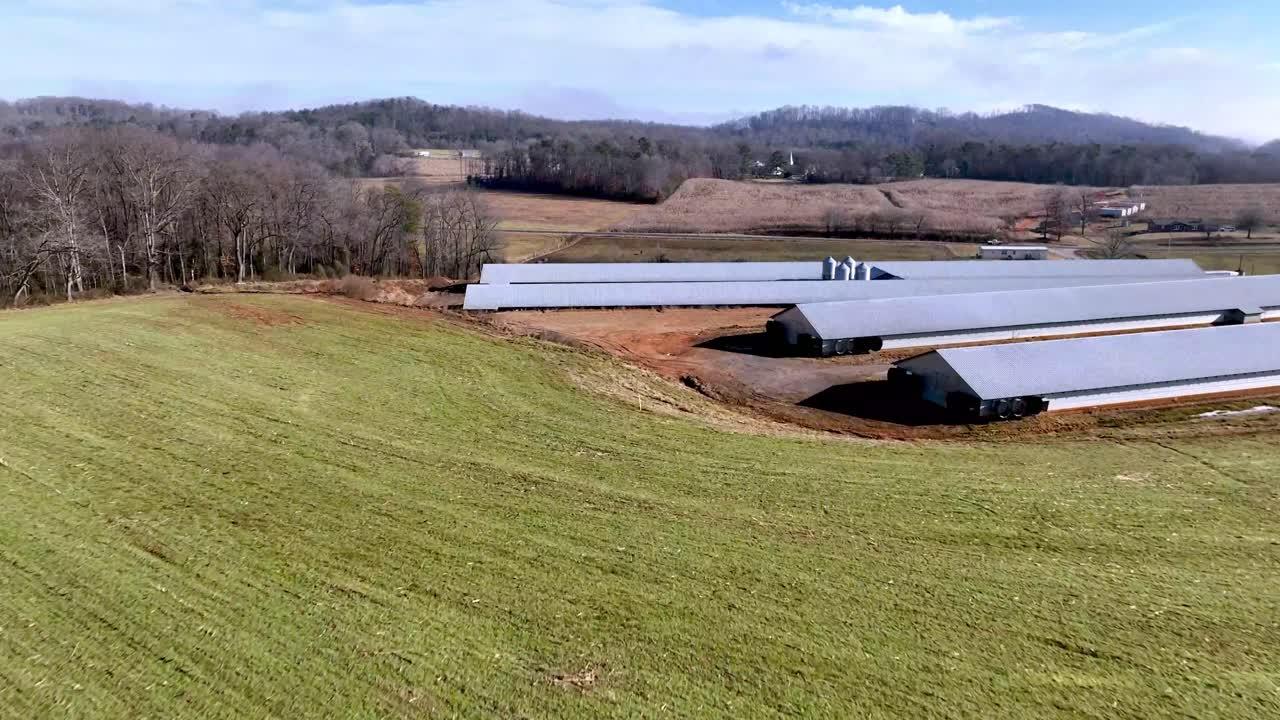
(998, 382)
(573, 273)
(761, 294)
(851, 327)
(613, 285)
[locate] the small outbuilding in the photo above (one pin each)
(999, 382)
(1013, 252)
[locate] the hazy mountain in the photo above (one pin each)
(908, 126)
(637, 160)
(425, 123)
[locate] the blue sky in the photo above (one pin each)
(1215, 69)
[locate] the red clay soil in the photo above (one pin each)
(722, 354)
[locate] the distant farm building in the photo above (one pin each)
(1185, 226)
(996, 382)
(1119, 209)
(841, 328)
(1013, 252)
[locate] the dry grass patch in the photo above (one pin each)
(1211, 202)
(704, 205)
(532, 211)
(961, 207)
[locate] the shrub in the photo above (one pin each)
(357, 287)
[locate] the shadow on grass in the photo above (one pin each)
(876, 400)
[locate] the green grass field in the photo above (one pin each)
(258, 506)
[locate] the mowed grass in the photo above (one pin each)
(257, 506)
(733, 249)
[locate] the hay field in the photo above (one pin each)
(270, 506)
(1004, 200)
(705, 205)
(962, 207)
(555, 213)
(949, 206)
(436, 170)
(1219, 203)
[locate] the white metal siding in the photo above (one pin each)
(640, 294)
(1046, 331)
(1145, 393)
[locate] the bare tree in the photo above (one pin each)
(833, 220)
(1115, 245)
(1250, 219)
(59, 175)
(1087, 209)
(458, 234)
(161, 181)
(1057, 217)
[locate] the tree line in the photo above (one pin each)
(647, 161)
(120, 209)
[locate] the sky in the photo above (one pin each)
(1214, 67)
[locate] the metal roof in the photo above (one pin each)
(650, 272)
(581, 295)
(494, 274)
(1056, 367)
(919, 270)
(932, 314)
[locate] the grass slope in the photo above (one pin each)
(281, 507)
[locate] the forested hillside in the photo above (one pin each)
(648, 161)
(86, 210)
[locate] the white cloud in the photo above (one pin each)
(897, 18)
(603, 57)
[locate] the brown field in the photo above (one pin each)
(712, 248)
(1003, 200)
(1211, 202)
(948, 206)
(518, 247)
(556, 213)
(703, 205)
(539, 212)
(436, 170)
(721, 353)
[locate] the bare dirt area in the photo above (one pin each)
(722, 354)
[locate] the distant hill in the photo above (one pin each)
(423, 123)
(634, 160)
(908, 126)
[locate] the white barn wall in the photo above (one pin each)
(1167, 391)
(1166, 322)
